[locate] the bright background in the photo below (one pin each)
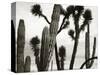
(5, 38)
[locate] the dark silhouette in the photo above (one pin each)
(37, 11)
(62, 54)
(78, 11)
(34, 42)
(13, 52)
(90, 59)
(72, 11)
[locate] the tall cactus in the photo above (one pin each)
(87, 48)
(44, 53)
(27, 64)
(20, 46)
(54, 28)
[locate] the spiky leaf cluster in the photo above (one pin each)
(36, 10)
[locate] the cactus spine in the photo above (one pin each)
(44, 54)
(87, 48)
(20, 46)
(27, 64)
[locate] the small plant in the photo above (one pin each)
(62, 54)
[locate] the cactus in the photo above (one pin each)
(87, 52)
(44, 53)
(78, 28)
(87, 48)
(27, 64)
(54, 28)
(20, 46)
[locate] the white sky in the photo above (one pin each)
(34, 25)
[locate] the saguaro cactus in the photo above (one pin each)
(87, 48)
(44, 53)
(20, 46)
(54, 28)
(27, 64)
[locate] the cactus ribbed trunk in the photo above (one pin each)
(87, 51)
(27, 65)
(57, 57)
(54, 28)
(93, 52)
(44, 53)
(20, 46)
(87, 48)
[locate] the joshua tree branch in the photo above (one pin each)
(88, 61)
(45, 18)
(61, 27)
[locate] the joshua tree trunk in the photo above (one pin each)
(74, 52)
(20, 46)
(76, 20)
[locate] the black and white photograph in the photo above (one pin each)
(53, 37)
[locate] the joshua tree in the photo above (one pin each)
(62, 54)
(35, 47)
(77, 12)
(36, 10)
